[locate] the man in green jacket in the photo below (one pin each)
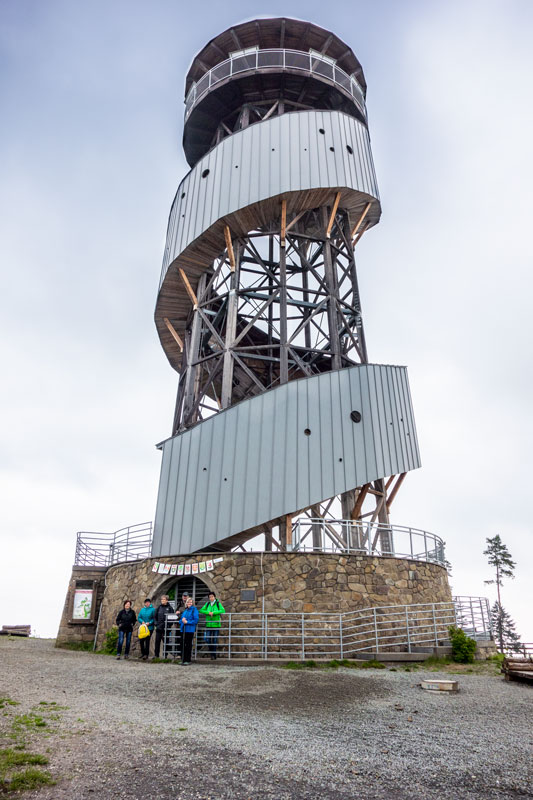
(213, 610)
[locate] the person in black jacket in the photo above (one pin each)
(160, 616)
(126, 619)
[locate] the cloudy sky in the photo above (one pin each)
(91, 117)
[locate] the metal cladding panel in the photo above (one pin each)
(282, 154)
(254, 463)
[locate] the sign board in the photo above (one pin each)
(83, 604)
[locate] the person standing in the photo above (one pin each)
(126, 619)
(189, 621)
(213, 610)
(160, 616)
(146, 616)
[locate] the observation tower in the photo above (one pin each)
(282, 428)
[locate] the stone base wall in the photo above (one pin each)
(78, 631)
(291, 582)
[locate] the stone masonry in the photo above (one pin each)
(293, 582)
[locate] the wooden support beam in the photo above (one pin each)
(283, 221)
(294, 220)
(175, 335)
(188, 287)
(361, 220)
(272, 539)
(288, 531)
(389, 481)
(229, 247)
(363, 229)
(332, 216)
(394, 492)
(363, 491)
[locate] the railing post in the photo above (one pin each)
(265, 616)
(434, 624)
(303, 637)
(229, 636)
(340, 636)
(411, 541)
(426, 545)
(376, 630)
(407, 629)
(472, 616)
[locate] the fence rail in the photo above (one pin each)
(312, 63)
(366, 538)
(303, 636)
(95, 549)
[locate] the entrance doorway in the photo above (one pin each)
(192, 584)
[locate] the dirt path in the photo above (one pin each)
(137, 730)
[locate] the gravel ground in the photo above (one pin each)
(134, 730)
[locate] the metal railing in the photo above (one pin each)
(312, 63)
(473, 616)
(367, 538)
(303, 636)
(104, 549)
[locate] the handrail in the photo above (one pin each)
(104, 549)
(301, 636)
(313, 63)
(366, 538)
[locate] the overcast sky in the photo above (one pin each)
(91, 113)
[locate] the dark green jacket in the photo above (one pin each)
(217, 608)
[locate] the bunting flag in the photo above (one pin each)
(186, 569)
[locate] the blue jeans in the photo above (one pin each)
(121, 636)
(211, 639)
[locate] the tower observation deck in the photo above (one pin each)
(279, 414)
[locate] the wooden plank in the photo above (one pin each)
(332, 215)
(188, 287)
(175, 335)
(361, 219)
(229, 247)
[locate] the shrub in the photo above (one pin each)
(463, 647)
(109, 646)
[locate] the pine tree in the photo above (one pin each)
(500, 558)
(504, 627)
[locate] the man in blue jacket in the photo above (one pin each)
(146, 616)
(189, 621)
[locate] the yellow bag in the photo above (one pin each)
(144, 631)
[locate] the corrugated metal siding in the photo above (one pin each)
(253, 462)
(283, 154)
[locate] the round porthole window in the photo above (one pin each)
(205, 173)
(355, 416)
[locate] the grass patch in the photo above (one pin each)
(27, 780)
(85, 647)
(7, 701)
(293, 665)
(372, 664)
(14, 779)
(437, 661)
(162, 661)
